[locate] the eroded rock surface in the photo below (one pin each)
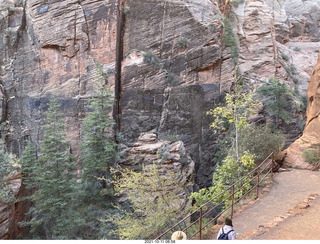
(311, 133)
(168, 156)
(13, 213)
(175, 65)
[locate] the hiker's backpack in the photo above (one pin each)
(224, 236)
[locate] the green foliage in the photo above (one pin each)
(278, 100)
(260, 140)
(293, 70)
(224, 146)
(254, 12)
(149, 57)
(183, 42)
(97, 153)
(126, 9)
(297, 49)
(312, 155)
(8, 165)
(54, 215)
(155, 201)
(168, 136)
(230, 40)
(98, 148)
(284, 57)
(236, 3)
(95, 203)
(225, 175)
(239, 105)
(171, 79)
(28, 165)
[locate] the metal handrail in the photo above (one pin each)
(232, 195)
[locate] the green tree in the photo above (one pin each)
(28, 162)
(239, 105)
(233, 116)
(97, 153)
(155, 201)
(224, 176)
(54, 215)
(260, 140)
(8, 165)
(278, 100)
(98, 148)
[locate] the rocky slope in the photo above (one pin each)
(174, 68)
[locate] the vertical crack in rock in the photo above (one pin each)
(119, 58)
(86, 29)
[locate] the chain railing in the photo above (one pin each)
(194, 223)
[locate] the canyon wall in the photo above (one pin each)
(175, 65)
(311, 133)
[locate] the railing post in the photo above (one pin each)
(232, 201)
(258, 182)
(272, 165)
(200, 222)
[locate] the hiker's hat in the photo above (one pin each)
(179, 235)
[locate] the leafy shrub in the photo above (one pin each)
(311, 155)
(278, 100)
(149, 57)
(260, 140)
(236, 3)
(230, 40)
(225, 175)
(293, 70)
(254, 12)
(171, 79)
(284, 57)
(155, 201)
(183, 42)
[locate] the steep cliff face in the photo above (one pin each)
(51, 47)
(175, 64)
(279, 39)
(311, 133)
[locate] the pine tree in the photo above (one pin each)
(98, 151)
(98, 147)
(28, 165)
(54, 177)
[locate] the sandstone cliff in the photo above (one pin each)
(311, 133)
(175, 65)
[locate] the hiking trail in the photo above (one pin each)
(289, 211)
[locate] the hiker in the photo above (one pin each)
(227, 232)
(179, 235)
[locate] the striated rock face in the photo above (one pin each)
(171, 74)
(51, 47)
(175, 66)
(167, 155)
(279, 39)
(13, 213)
(311, 133)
